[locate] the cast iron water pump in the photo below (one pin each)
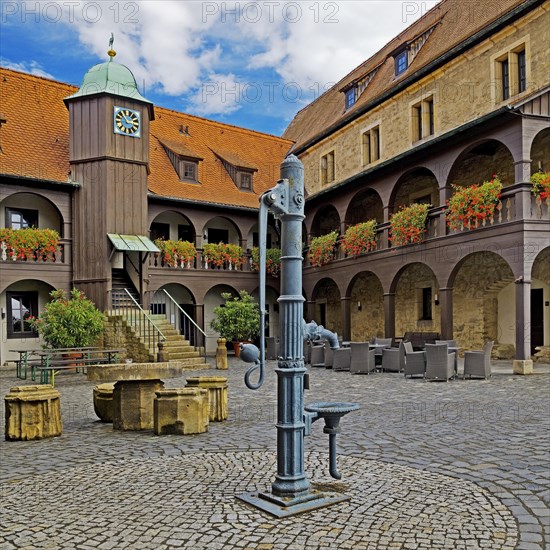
(291, 492)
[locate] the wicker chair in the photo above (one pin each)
(342, 359)
(415, 361)
(478, 363)
(362, 358)
(378, 351)
(329, 356)
(393, 359)
(440, 364)
(318, 356)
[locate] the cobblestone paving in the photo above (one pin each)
(463, 464)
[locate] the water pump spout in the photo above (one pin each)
(313, 332)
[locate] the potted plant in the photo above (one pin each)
(272, 260)
(541, 186)
(471, 206)
(237, 320)
(30, 243)
(360, 239)
(408, 225)
(322, 249)
(69, 322)
(176, 253)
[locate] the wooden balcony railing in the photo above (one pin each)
(60, 256)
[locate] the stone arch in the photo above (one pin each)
(212, 299)
(540, 295)
(327, 305)
(366, 306)
(38, 292)
(418, 185)
(221, 226)
(49, 215)
(173, 225)
(540, 152)
(365, 205)
(484, 303)
(480, 161)
(326, 219)
(416, 308)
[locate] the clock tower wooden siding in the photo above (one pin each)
(112, 172)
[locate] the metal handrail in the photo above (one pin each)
(150, 333)
(165, 304)
(184, 312)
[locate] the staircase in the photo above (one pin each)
(141, 339)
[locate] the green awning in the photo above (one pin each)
(132, 243)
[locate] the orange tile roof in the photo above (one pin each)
(35, 144)
(453, 22)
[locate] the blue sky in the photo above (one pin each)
(248, 63)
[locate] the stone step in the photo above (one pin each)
(179, 355)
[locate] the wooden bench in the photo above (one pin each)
(52, 363)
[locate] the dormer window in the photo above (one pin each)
(401, 62)
(239, 170)
(350, 98)
(184, 161)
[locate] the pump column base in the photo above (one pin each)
(284, 507)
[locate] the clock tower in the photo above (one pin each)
(109, 158)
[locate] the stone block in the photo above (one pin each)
(181, 411)
(103, 401)
(221, 355)
(33, 412)
(133, 404)
(217, 395)
(523, 366)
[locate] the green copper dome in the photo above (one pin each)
(111, 78)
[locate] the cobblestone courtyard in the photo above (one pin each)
(463, 464)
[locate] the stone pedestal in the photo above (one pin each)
(103, 401)
(523, 366)
(217, 395)
(133, 404)
(221, 355)
(33, 412)
(181, 411)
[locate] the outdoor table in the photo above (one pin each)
(22, 364)
(455, 350)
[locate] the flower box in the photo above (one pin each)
(541, 186)
(272, 260)
(360, 239)
(176, 253)
(220, 255)
(472, 206)
(322, 249)
(408, 225)
(29, 244)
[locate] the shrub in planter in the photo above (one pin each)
(408, 225)
(69, 322)
(238, 319)
(322, 249)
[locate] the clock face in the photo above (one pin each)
(127, 122)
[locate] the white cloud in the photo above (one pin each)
(218, 94)
(189, 48)
(32, 67)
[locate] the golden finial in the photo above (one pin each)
(111, 53)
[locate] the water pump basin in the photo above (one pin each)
(327, 410)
